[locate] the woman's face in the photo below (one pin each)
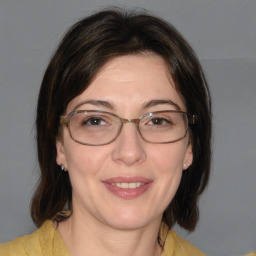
(126, 84)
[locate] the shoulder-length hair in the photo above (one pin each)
(85, 48)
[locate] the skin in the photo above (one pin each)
(105, 223)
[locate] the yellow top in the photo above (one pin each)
(46, 241)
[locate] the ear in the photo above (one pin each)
(61, 155)
(188, 159)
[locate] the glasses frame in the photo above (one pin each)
(65, 120)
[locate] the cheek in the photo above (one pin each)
(167, 160)
(168, 157)
(84, 166)
(83, 159)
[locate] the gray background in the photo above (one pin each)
(222, 32)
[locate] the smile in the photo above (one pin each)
(128, 188)
(128, 185)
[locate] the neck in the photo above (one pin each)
(86, 237)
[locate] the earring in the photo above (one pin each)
(185, 166)
(62, 167)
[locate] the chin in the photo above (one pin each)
(131, 219)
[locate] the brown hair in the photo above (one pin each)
(85, 48)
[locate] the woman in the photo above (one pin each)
(123, 133)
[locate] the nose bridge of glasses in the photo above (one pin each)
(130, 120)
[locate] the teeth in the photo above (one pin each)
(128, 185)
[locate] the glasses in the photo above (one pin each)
(96, 128)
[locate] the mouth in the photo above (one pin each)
(128, 188)
(131, 185)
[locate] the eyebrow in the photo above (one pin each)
(111, 106)
(101, 103)
(156, 102)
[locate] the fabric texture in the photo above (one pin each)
(46, 241)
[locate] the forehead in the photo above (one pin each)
(131, 80)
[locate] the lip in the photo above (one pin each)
(127, 193)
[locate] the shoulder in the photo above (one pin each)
(26, 245)
(176, 246)
(29, 245)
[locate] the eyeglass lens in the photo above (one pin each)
(99, 128)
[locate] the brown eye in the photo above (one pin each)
(158, 121)
(94, 121)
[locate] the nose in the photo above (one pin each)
(129, 148)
